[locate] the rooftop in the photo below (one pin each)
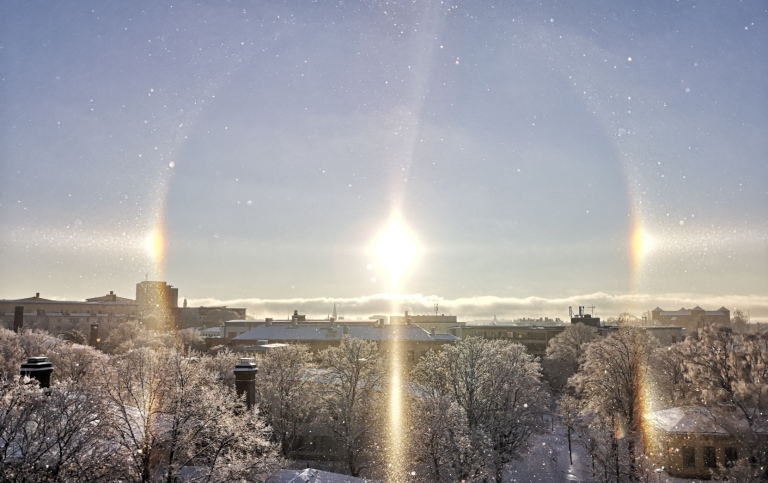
(299, 332)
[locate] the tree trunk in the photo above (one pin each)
(353, 470)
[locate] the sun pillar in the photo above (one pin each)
(396, 250)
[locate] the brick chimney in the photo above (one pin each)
(94, 340)
(39, 368)
(18, 319)
(245, 380)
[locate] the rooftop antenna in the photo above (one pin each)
(436, 307)
(591, 310)
(146, 277)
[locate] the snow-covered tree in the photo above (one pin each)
(610, 385)
(173, 413)
(739, 321)
(351, 400)
(496, 384)
(59, 434)
(564, 354)
(285, 393)
(569, 345)
(77, 363)
(669, 383)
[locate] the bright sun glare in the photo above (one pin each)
(154, 244)
(396, 249)
(642, 244)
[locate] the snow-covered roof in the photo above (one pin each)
(215, 331)
(300, 332)
(685, 420)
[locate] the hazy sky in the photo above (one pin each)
(267, 145)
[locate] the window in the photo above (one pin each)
(689, 456)
(731, 455)
(710, 458)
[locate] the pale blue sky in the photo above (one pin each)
(519, 142)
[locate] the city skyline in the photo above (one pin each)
(518, 158)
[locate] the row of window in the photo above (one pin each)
(710, 456)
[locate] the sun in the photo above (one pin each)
(396, 249)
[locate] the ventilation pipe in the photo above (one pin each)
(18, 319)
(39, 368)
(245, 380)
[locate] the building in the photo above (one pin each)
(156, 295)
(534, 337)
(442, 323)
(64, 316)
(411, 340)
(192, 317)
(583, 318)
(665, 334)
(691, 319)
(689, 443)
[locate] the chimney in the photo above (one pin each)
(39, 368)
(94, 340)
(37, 295)
(432, 331)
(18, 319)
(245, 380)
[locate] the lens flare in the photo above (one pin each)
(641, 245)
(395, 455)
(154, 245)
(396, 433)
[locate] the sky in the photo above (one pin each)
(516, 157)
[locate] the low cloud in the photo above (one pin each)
(485, 307)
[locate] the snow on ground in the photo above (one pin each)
(547, 461)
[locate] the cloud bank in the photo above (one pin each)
(485, 307)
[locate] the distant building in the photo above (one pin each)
(441, 322)
(665, 334)
(62, 316)
(534, 337)
(583, 318)
(110, 297)
(411, 340)
(189, 317)
(156, 295)
(691, 319)
(234, 327)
